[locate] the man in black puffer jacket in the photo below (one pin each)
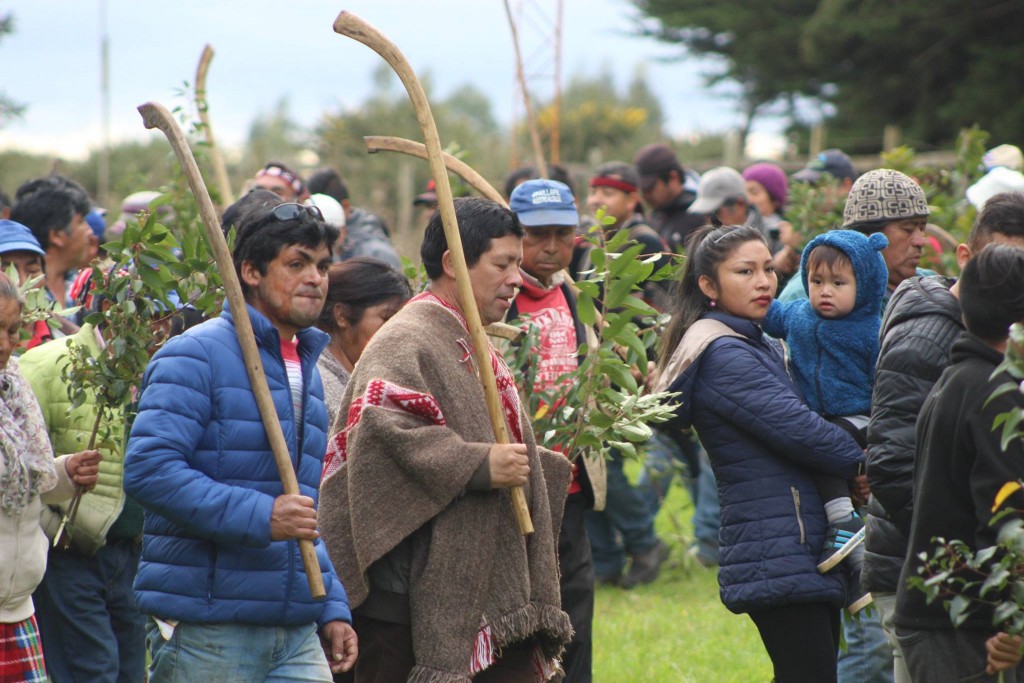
(921, 322)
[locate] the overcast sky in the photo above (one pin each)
(269, 50)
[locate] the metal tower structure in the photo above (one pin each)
(536, 27)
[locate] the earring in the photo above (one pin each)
(712, 304)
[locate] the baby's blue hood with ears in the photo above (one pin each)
(869, 266)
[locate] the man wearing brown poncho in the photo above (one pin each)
(415, 507)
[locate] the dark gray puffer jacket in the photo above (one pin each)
(919, 327)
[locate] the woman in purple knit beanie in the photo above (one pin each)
(770, 197)
(767, 190)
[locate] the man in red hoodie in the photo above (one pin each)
(547, 211)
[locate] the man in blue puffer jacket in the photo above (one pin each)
(221, 575)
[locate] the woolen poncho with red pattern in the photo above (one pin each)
(418, 429)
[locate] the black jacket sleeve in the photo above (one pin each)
(913, 356)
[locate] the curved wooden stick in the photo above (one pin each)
(352, 26)
(220, 170)
(156, 116)
(387, 143)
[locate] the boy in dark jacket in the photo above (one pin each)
(833, 339)
(921, 323)
(959, 467)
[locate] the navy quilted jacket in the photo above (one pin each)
(199, 462)
(764, 444)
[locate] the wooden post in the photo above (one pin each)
(891, 138)
(817, 140)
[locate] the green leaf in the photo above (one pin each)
(1010, 423)
(589, 288)
(1004, 611)
(619, 290)
(600, 419)
(636, 433)
(959, 610)
(636, 348)
(619, 374)
(1005, 388)
(995, 581)
(586, 309)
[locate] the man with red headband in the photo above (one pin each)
(625, 528)
(615, 187)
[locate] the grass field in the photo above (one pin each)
(675, 630)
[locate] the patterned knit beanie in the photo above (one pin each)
(884, 195)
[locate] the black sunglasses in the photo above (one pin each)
(293, 210)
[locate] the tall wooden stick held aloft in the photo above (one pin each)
(220, 170)
(156, 116)
(352, 26)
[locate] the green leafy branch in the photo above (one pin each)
(601, 404)
(38, 306)
(148, 269)
(1013, 365)
(814, 208)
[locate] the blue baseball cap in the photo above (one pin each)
(16, 237)
(96, 221)
(540, 203)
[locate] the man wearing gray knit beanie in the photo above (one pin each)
(892, 203)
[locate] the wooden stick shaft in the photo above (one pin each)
(376, 143)
(352, 26)
(62, 539)
(156, 116)
(220, 170)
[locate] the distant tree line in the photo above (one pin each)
(931, 67)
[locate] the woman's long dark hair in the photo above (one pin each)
(358, 284)
(705, 251)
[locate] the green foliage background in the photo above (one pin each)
(931, 67)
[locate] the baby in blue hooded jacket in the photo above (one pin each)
(833, 342)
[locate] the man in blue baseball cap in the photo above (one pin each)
(547, 211)
(20, 248)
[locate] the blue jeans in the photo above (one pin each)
(626, 516)
(868, 655)
(664, 458)
(236, 652)
(90, 627)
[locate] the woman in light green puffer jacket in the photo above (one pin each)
(30, 478)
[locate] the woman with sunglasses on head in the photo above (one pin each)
(363, 293)
(30, 479)
(764, 444)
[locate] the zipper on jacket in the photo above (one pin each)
(211, 573)
(799, 517)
